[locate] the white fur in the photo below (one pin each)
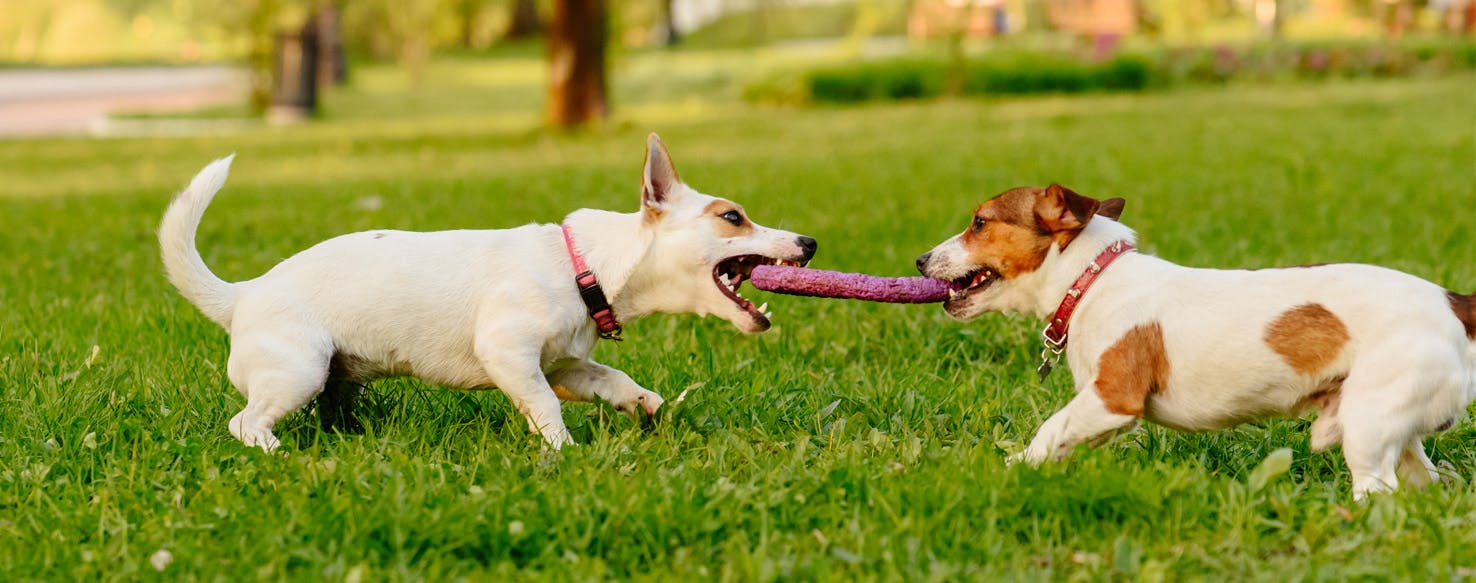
(1409, 367)
(465, 309)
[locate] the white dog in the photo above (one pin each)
(1386, 357)
(475, 309)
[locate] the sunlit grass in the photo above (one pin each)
(852, 441)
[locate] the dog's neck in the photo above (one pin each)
(615, 246)
(1040, 292)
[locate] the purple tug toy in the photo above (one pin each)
(801, 281)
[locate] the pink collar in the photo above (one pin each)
(1054, 334)
(590, 291)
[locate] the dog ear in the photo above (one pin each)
(1061, 211)
(659, 179)
(1112, 208)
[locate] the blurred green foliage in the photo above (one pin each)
(855, 441)
(1017, 72)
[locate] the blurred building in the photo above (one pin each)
(1093, 17)
(974, 18)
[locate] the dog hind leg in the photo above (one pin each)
(1374, 435)
(278, 376)
(336, 406)
(1388, 400)
(1415, 468)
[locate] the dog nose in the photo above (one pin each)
(809, 244)
(922, 262)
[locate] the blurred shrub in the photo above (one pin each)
(1021, 73)
(784, 88)
(877, 80)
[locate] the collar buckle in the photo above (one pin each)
(1053, 336)
(592, 294)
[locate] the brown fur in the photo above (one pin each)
(1465, 311)
(1064, 213)
(1112, 208)
(1132, 368)
(715, 211)
(1308, 337)
(1020, 225)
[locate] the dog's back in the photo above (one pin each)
(1243, 344)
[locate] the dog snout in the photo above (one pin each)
(809, 245)
(922, 262)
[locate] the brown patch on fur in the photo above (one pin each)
(1308, 337)
(564, 394)
(1132, 368)
(1064, 213)
(1465, 311)
(715, 211)
(1020, 225)
(1112, 208)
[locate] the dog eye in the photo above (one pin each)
(733, 217)
(978, 224)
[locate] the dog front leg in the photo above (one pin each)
(517, 374)
(588, 380)
(1084, 420)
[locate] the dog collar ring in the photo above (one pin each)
(1054, 334)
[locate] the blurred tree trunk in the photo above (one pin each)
(260, 19)
(332, 66)
(672, 36)
(957, 55)
(576, 54)
(1398, 16)
(1271, 17)
(466, 15)
(523, 21)
(759, 22)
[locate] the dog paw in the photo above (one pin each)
(1026, 457)
(641, 404)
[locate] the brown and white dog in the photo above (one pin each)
(1385, 357)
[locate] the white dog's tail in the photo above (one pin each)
(214, 296)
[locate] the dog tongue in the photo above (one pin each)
(801, 281)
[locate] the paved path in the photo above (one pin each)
(75, 101)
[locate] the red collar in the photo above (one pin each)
(591, 293)
(1055, 331)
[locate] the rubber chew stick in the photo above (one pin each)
(801, 281)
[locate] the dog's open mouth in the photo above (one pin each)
(978, 280)
(730, 273)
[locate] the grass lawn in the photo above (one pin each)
(853, 441)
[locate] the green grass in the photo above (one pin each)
(853, 441)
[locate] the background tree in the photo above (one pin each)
(523, 20)
(668, 16)
(577, 37)
(406, 30)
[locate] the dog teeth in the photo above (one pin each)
(764, 307)
(769, 315)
